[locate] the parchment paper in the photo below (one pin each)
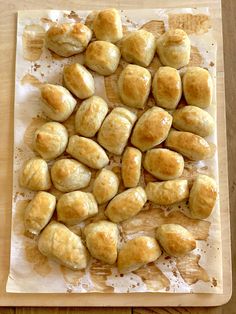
(201, 270)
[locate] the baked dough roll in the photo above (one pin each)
(68, 39)
(102, 240)
(138, 47)
(105, 186)
(39, 211)
(190, 145)
(90, 19)
(134, 86)
(131, 167)
(87, 151)
(57, 102)
(126, 204)
(168, 192)
(173, 48)
(107, 25)
(164, 164)
(63, 246)
(151, 129)
(50, 140)
(193, 119)
(102, 57)
(69, 175)
(74, 207)
(136, 253)
(35, 175)
(202, 197)
(90, 115)
(78, 80)
(175, 239)
(197, 87)
(167, 87)
(116, 129)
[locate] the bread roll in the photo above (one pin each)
(131, 167)
(134, 86)
(39, 211)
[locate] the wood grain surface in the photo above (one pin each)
(7, 54)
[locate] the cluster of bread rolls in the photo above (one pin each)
(101, 132)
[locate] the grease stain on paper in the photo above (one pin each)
(33, 42)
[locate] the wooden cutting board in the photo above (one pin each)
(7, 50)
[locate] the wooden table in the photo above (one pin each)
(7, 54)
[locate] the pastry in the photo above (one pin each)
(202, 197)
(197, 87)
(193, 119)
(57, 102)
(173, 48)
(68, 39)
(138, 47)
(90, 19)
(167, 87)
(126, 204)
(136, 253)
(107, 25)
(39, 211)
(50, 140)
(163, 163)
(69, 175)
(35, 175)
(175, 239)
(90, 115)
(115, 130)
(102, 240)
(189, 145)
(134, 86)
(151, 129)
(131, 167)
(105, 186)
(63, 246)
(102, 57)
(87, 151)
(74, 207)
(78, 80)
(168, 192)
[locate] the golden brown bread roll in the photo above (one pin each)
(90, 115)
(115, 130)
(164, 164)
(197, 87)
(131, 167)
(74, 207)
(90, 19)
(126, 204)
(50, 140)
(57, 102)
(138, 47)
(107, 25)
(168, 192)
(87, 151)
(175, 239)
(202, 197)
(39, 212)
(105, 186)
(63, 246)
(151, 129)
(173, 48)
(167, 87)
(188, 144)
(102, 57)
(35, 175)
(134, 86)
(69, 175)
(136, 253)
(102, 240)
(193, 119)
(68, 39)
(78, 80)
